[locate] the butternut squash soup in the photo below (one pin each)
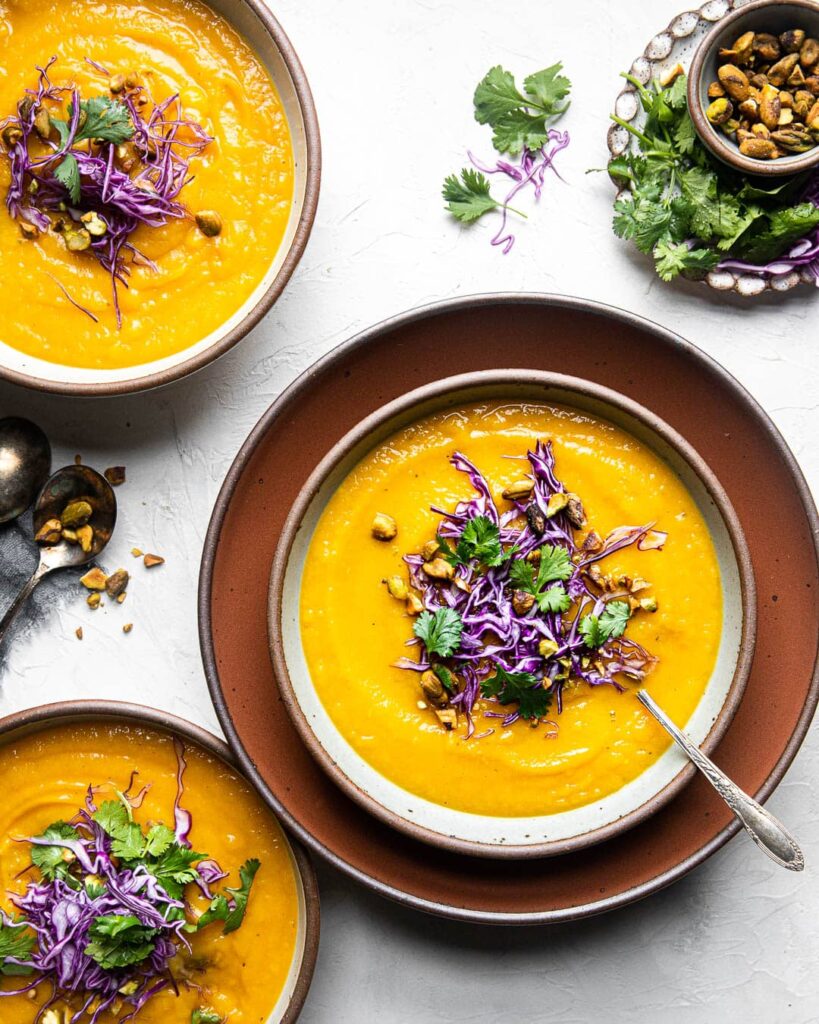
(484, 591)
(147, 171)
(176, 899)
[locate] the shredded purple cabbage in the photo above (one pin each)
(494, 634)
(530, 170)
(164, 142)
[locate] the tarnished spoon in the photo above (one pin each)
(74, 483)
(25, 462)
(770, 835)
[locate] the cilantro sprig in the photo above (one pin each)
(521, 119)
(439, 631)
(119, 941)
(610, 624)
(479, 541)
(521, 688)
(102, 118)
(555, 567)
(688, 210)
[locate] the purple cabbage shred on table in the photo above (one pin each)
(494, 635)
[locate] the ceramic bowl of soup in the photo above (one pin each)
(82, 765)
(221, 128)
(390, 621)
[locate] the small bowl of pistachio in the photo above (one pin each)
(753, 88)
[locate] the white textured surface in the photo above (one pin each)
(738, 939)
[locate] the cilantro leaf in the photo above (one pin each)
(440, 631)
(554, 599)
(232, 909)
(522, 575)
(547, 87)
(518, 687)
(685, 134)
(611, 623)
(555, 564)
(469, 198)
(672, 258)
(113, 818)
(49, 859)
(175, 869)
(480, 539)
(104, 118)
(159, 840)
(17, 942)
(118, 940)
(67, 173)
(129, 844)
(519, 119)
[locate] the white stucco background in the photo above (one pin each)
(738, 940)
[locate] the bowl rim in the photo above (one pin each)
(266, 300)
(44, 715)
(357, 435)
(717, 144)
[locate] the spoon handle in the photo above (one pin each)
(769, 834)
(15, 606)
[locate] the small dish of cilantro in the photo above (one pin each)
(692, 213)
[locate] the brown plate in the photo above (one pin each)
(642, 361)
(66, 712)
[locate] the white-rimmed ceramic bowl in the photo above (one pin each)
(485, 835)
(254, 22)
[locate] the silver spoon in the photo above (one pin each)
(25, 462)
(770, 835)
(74, 483)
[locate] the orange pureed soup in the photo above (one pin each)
(245, 175)
(353, 630)
(240, 975)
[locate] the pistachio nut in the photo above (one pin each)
(719, 111)
(767, 46)
(781, 71)
(760, 149)
(734, 81)
(792, 40)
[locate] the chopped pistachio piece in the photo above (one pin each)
(116, 583)
(384, 527)
(77, 513)
(94, 579)
(397, 588)
(151, 560)
(50, 532)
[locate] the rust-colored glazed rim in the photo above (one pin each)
(503, 381)
(301, 386)
(276, 286)
(719, 145)
(65, 712)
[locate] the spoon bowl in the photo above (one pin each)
(76, 483)
(25, 462)
(73, 483)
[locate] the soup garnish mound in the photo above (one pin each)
(511, 607)
(106, 166)
(109, 909)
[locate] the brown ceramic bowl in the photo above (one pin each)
(485, 835)
(775, 17)
(253, 21)
(99, 712)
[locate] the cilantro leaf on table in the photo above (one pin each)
(610, 624)
(439, 631)
(469, 198)
(520, 119)
(231, 908)
(118, 940)
(16, 942)
(49, 859)
(521, 688)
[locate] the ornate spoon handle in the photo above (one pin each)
(769, 834)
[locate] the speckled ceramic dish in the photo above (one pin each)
(615, 349)
(254, 21)
(677, 44)
(100, 713)
(774, 16)
(484, 835)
